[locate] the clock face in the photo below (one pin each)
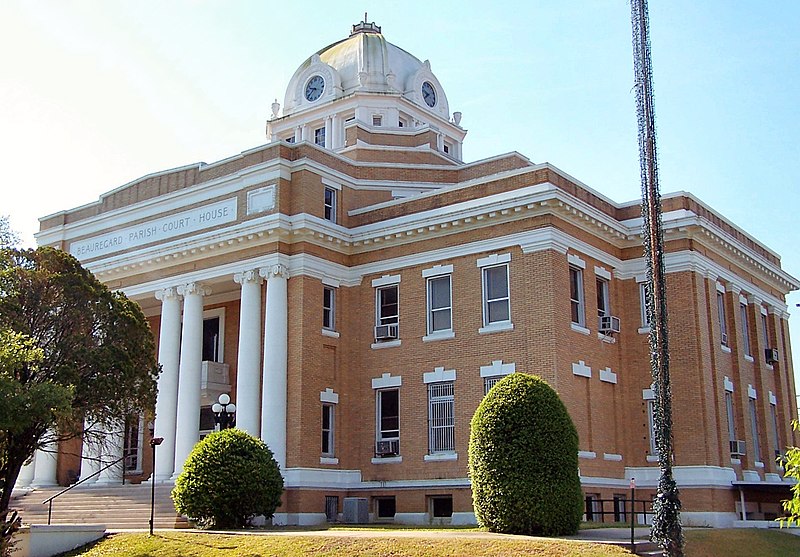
(314, 88)
(429, 94)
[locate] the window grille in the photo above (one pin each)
(441, 419)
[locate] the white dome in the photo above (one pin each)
(367, 62)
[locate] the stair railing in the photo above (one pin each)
(49, 500)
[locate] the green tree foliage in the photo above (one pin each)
(523, 460)
(8, 237)
(229, 478)
(791, 466)
(70, 348)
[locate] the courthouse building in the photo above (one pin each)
(356, 287)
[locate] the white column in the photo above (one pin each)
(298, 134)
(305, 133)
(25, 476)
(336, 132)
(273, 394)
(248, 367)
(111, 450)
(187, 430)
(46, 466)
(328, 133)
(169, 349)
(90, 454)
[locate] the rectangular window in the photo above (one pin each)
(651, 425)
(331, 508)
(388, 308)
(327, 429)
(754, 427)
(329, 211)
(723, 328)
(290, 139)
(594, 508)
(643, 289)
(447, 148)
(329, 308)
(388, 418)
(731, 420)
(442, 506)
(377, 120)
(489, 382)
(775, 431)
(440, 314)
(211, 339)
(496, 301)
(619, 507)
(385, 507)
(319, 136)
(133, 443)
(576, 296)
(603, 303)
(765, 330)
(441, 418)
(745, 329)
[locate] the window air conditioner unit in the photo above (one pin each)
(771, 354)
(609, 324)
(386, 448)
(386, 332)
(738, 448)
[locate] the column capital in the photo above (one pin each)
(251, 275)
(193, 288)
(278, 270)
(167, 294)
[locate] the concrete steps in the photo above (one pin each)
(118, 507)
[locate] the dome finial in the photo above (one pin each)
(364, 27)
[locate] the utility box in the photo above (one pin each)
(355, 510)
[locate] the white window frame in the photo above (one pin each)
(754, 428)
(388, 319)
(723, 326)
(645, 322)
(319, 134)
(329, 323)
(765, 332)
(433, 310)
(382, 434)
(377, 120)
(329, 434)
(577, 302)
(441, 417)
(329, 208)
(487, 301)
(775, 430)
(603, 296)
(745, 330)
(651, 425)
(731, 416)
(218, 313)
(128, 451)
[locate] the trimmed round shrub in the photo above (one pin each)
(228, 478)
(523, 460)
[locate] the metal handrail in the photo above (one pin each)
(76, 484)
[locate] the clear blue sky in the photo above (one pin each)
(95, 94)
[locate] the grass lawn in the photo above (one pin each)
(739, 542)
(274, 545)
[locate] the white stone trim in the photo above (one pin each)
(643, 330)
(758, 464)
(733, 287)
(437, 270)
(496, 328)
(386, 280)
(581, 369)
(328, 460)
(589, 455)
(613, 457)
(725, 348)
(331, 282)
(728, 384)
(494, 259)
(387, 460)
(742, 299)
(608, 376)
(439, 335)
(329, 333)
(685, 476)
(648, 394)
(576, 261)
(764, 310)
(439, 375)
(261, 200)
(498, 369)
(387, 381)
(439, 457)
(751, 392)
(652, 458)
(602, 272)
(773, 400)
(578, 329)
(388, 344)
(749, 358)
(751, 476)
(331, 184)
(720, 287)
(329, 396)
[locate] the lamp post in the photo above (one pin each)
(224, 412)
(154, 442)
(633, 513)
